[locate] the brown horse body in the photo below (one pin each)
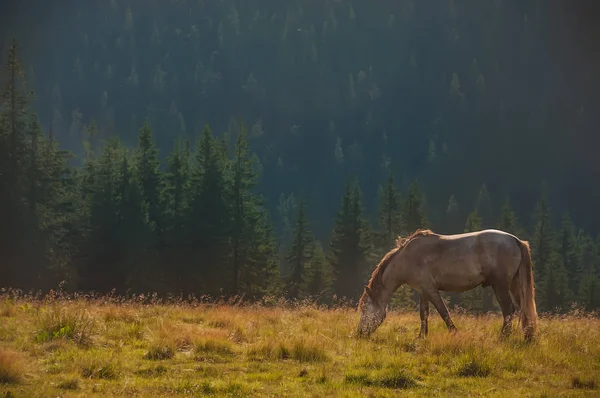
(430, 263)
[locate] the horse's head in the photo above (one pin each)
(372, 313)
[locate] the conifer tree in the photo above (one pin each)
(543, 241)
(253, 249)
(101, 248)
(452, 222)
(551, 275)
(349, 245)
(53, 203)
(13, 162)
(177, 198)
(178, 183)
(133, 235)
(413, 215)
(509, 222)
(149, 177)
(300, 253)
(568, 252)
(473, 222)
(485, 208)
(209, 224)
(60, 218)
(390, 217)
(588, 275)
(318, 278)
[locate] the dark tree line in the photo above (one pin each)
(194, 221)
(450, 93)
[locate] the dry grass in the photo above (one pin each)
(12, 366)
(99, 348)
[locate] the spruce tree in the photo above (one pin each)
(14, 212)
(101, 248)
(588, 275)
(178, 183)
(349, 245)
(253, 250)
(318, 278)
(60, 216)
(150, 180)
(543, 241)
(390, 217)
(473, 222)
(177, 197)
(52, 200)
(568, 252)
(300, 253)
(413, 215)
(551, 275)
(509, 222)
(149, 177)
(485, 208)
(589, 291)
(133, 235)
(33, 204)
(452, 218)
(286, 209)
(209, 224)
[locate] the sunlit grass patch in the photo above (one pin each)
(115, 313)
(57, 323)
(387, 378)
(100, 367)
(7, 309)
(299, 350)
(69, 384)
(269, 351)
(220, 347)
(160, 351)
(581, 383)
(308, 352)
(12, 366)
(218, 388)
(152, 371)
(455, 344)
(219, 323)
(474, 366)
(194, 320)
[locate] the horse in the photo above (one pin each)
(430, 262)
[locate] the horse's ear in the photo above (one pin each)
(368, 290)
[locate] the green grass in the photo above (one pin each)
(80, 348)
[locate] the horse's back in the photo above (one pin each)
(465, 260)
(485, 233)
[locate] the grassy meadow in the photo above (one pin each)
(58, 347)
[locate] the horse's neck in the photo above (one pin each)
(391, 279)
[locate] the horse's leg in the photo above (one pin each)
(514, 289)
(508, 310)
(434, 296)
(424, 310)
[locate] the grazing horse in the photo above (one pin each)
(430, 262)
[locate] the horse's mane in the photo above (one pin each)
(375, 283)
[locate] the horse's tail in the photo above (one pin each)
(524, 280)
